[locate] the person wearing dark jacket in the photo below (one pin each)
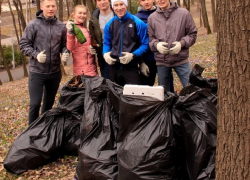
(145, 9)
(43, 40)
(99, 18)
(125, 41)
(171, 32)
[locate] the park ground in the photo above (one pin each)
(14, 105)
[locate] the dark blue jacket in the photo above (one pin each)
(128, 34)
(143, 15)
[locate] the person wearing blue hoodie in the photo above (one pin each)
(125, 41)
(145, 9)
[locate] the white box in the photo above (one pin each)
(141, 90)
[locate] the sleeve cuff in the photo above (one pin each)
(183, 43)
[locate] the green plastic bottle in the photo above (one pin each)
(78, 33)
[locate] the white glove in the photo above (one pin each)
(65, 57)
(92, 50)
(109, 59)
(41, 57)
(69, 26)
(144, 69)
(126, 58)
(176, 49)
(161, 47)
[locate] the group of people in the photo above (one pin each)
(130, 49)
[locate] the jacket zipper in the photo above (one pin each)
(121, 40)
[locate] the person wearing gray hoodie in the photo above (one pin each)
(171, 32)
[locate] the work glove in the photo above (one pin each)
(126, 58)
(176, 49)
(161, 47)
(109, 59)
(41, 57)
(144, 69)
(69, 26)
(92, 50)
(65, 56)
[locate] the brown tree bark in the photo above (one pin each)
(68, 10)
(60, 9)
(214, 15)
(205, 18)
(179, 3)
(233, 47)
(1, 82)
(38, 4)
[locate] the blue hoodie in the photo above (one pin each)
(143, 15)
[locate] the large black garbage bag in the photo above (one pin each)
(98, 150)
(196, 123)
(53, 134)
(146, 146)
(72, 95)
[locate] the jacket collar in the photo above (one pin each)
(141, 9)
(168, 12)
(124, 18)
(39, 14)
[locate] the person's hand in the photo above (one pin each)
(41, 57)
(92, 50)
(176, 49)
(126, 58)
(65, 56)
(69, 26)
(161, 47)
(144, 69)
(109, 59)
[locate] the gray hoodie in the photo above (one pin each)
(173, 24)
(44, 34)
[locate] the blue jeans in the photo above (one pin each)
(105, 71)
(183, 71)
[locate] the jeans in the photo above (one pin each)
(183, 71)
(40, 84)
(105, 71)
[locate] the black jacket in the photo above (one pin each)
(44, 34)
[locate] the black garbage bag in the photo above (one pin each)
(54, 134)
(99, 127)
(195, 123)
(146, 146)
(72, 95)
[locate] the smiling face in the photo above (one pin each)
(79, 15)
(163, 4)
(103, 5)
(120, 8)
(49, 8)
(147, 4)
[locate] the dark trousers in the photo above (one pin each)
(40, 84)
(150, 81)
(124, 76)
(105, 70)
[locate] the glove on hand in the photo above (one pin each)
(126, 58)
(176, 49)
(65, 56)
(144, 69)
(41, 57)
(161, 47)
(69, 26)
(109, 59)
(92, 50)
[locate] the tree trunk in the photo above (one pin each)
(60, 9)
(214, 15)
(90, 5)
(1, 82)
(205, 18)
(5, 63)
(179, 3)
(25, 72)
(192, 2)
(68, 10)
(38, 4)
(233, 148)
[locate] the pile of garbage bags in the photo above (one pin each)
(118, 136)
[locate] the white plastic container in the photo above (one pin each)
(141, 90)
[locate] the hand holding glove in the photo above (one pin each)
(65, 56)
(92, 50)
(41, 57)
(69, 26)
(109, 59)
(176, 49)
(144, 69)
(161, 47)
(126, 58)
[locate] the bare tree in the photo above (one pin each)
(233, 134)
(214, 15)
(38, 4)
(60, 9)
(205, 18)
(1, 51)
(68, 10)
(179, 3)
